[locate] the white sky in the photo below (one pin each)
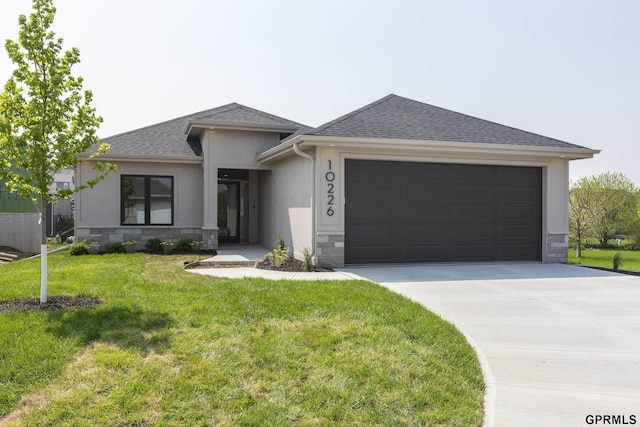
(566, 69)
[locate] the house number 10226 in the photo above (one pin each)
(330, 177)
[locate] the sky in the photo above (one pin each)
(565, 69)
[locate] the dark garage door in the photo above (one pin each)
(432, 212)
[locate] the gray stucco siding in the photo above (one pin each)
(285, 204)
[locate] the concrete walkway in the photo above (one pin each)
(245, 255)
(238, 273)
(559, 343)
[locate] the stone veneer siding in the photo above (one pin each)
(557, 248)
(104, 236)
(209, 239)
(330, 249)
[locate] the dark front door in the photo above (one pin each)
(432, 212)
(229, 212)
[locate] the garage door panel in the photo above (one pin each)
(472, 213)
(412, 233)
(421, 253)
(420, 192)
(471, 173)
(511, 176)
(416, 210)
(441, 212)
(518, 232)
(375, 189)
(526, 214)
(472, 231)
(361, 254)
(369, 168)
(373, 232)
(372, 210)
(516, 252)
(471, 194)
(416, 172)
(515, 195)
(476, 252)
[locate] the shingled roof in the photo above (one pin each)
(395, 117)
(167, 138)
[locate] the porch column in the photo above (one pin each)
(253, 206)
(210, 199)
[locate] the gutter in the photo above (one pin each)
(144, 158)
(418, 146)
(296, 149)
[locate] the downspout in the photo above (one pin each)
(300, 153)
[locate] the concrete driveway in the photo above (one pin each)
(560, 344)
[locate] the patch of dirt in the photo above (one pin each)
(53, 303)
(13, 251)
(289, 265)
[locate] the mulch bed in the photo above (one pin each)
(53, 303)
(289, 265)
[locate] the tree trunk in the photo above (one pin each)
(578, 246)
(43, 251)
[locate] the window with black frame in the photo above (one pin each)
(146, 200)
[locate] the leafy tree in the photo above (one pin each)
(579, 208)
(46, 119)
(603, 206)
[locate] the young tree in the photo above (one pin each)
(46, 119)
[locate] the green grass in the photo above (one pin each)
(604, 258)
(175, 348)
(51, 244)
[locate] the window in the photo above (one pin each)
(146, 200)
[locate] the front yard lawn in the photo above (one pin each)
(604, 258)
(173, 348)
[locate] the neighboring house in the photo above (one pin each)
(19, 227)
(60, 214)
(392, 182)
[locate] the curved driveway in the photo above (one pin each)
(562, 342)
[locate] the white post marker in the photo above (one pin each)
(43, 274)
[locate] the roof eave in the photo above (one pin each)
(279, 151)
(426, 145)
(144, 158)
(192, 126)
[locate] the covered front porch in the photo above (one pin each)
(231, 209)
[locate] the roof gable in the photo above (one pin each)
(167, 138)
(395, 117)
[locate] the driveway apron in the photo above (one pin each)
(561, 344)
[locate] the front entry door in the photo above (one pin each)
(229, 212)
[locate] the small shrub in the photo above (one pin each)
(277, 257)
(187, 245)
(307, 260)
(281, 243)
(129, 245)
(280, 254)
(167, 246)
(116, 248)
(617, 261)
(80, 248)
(154, 246)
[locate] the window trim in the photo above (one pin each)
(147, 201)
